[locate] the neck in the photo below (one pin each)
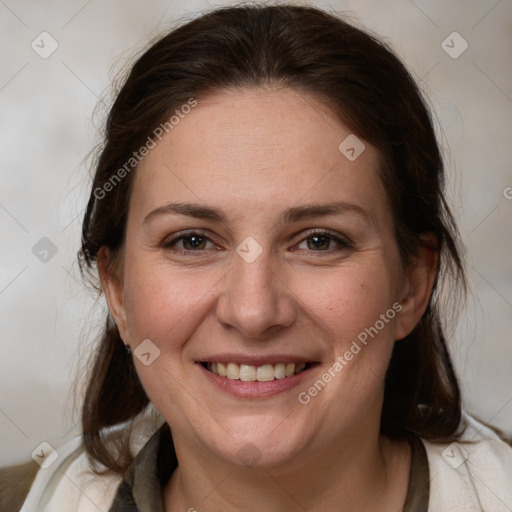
(367, 473)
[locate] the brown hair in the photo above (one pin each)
(363, 81)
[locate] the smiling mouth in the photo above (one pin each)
(249, 373)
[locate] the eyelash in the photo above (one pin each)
(344, 243)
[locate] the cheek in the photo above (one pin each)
(156, 300)
(346, 301)
(354, 308)
(166, 304)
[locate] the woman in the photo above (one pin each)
(268, 223)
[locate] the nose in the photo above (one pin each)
(254, 299)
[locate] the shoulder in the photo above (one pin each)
(15, 482)
(70, 482)
(473, 473)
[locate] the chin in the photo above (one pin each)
(267, 442)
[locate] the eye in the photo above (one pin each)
(322, 241)
(190, 242)
(316, 241)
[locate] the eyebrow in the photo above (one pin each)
(294, 214)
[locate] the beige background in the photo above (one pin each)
(48, 319)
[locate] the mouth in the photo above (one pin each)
(249, 373)
(262, 379)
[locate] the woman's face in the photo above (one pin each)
(254, 242)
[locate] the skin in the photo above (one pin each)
(253, 154)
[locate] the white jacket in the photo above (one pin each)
(474, 474)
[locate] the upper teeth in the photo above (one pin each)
(248, 373)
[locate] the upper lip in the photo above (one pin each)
(254, 360)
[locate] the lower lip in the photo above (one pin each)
(243, 389)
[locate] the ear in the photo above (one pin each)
(419, 281)
(112, 284)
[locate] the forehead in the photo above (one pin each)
(261, 148)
